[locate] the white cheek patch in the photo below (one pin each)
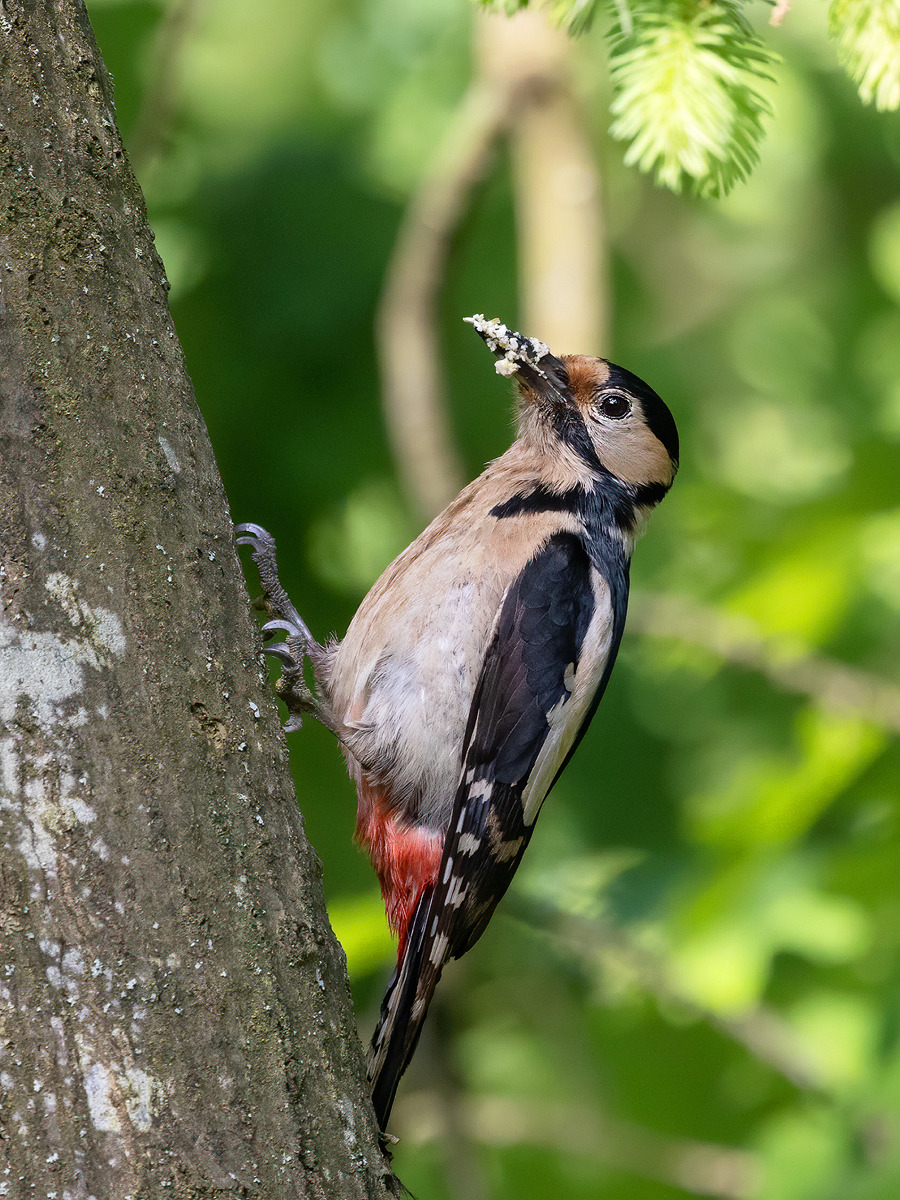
(631, 451)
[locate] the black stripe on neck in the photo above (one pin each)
(539, 499)
(608, 502)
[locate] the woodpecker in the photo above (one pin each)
(473, 667)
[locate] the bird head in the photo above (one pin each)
(587, 409)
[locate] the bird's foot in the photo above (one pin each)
(298, 641)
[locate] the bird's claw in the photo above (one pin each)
(280, 651)
(288, 627)
(249, 532)
(291, 686)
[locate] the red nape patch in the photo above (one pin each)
(406, 858)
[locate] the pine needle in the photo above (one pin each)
(868, 37)
(688, 97)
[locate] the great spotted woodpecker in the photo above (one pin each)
(474, 665)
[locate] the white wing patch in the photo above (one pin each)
(565, 718)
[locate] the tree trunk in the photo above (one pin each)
(175, 1017)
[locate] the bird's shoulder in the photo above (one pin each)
(473, 538)
(469, 547)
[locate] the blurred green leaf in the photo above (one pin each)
(771, 800)
(884, 250)
(840, 1030)
(806, 592)
(804, 1148)
(360, 926)
(350, 547)
(727, 944)
(880, 537)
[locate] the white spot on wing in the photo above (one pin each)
(438, 951)
(483, 788)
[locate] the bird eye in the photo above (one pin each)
(614, 404)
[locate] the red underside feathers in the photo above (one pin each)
(406, 858)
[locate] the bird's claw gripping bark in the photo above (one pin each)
(291, 686)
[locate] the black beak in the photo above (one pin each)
(526, 358)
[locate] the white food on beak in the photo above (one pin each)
(518, 348)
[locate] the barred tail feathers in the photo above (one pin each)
(403, 1010)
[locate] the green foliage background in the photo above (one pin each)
(693, 987)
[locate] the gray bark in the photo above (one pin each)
(175, 1016)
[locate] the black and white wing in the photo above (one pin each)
(553, 646)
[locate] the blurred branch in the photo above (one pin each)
(522, 84)
(157, 112)
(562, 247)
(698, 1167)
(761, 1030)
(412, 386)
(782, 661)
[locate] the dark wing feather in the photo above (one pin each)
(534, 649)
